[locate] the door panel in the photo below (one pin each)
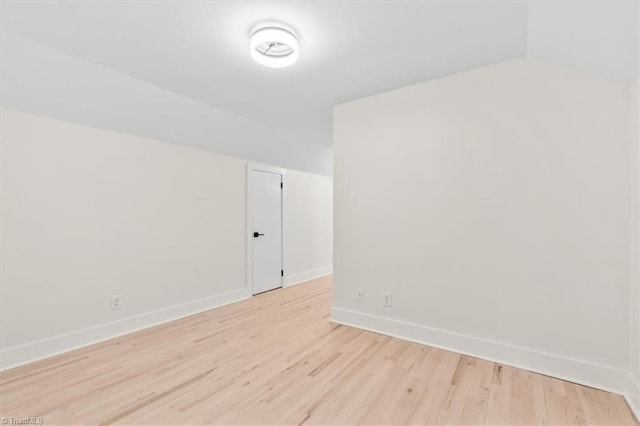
(266, 209)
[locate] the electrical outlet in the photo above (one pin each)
(360, 294)
(115, 303)
(387, 299)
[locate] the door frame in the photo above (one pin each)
(251, 167)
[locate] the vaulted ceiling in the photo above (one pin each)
(198, 50)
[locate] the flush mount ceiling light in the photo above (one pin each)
(274, 46)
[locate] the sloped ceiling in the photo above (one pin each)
(45, 81)
(599, 37)
(197, 53)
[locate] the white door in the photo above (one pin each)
(266, 206)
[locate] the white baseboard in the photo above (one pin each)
(294, 279)
(45, 348)
(632, 395)
(574, 370)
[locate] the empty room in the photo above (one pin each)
(329, 212)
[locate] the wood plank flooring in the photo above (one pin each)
(276, 359)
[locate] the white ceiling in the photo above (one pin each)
(45, 81)
(600, 37)
(349, 49)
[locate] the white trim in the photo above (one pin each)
(302, 277)
(579, 371)
(45, 348)
(251, 166)
(632, 395)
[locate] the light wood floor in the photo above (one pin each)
(276, 358)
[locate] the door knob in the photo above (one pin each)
(257, 234)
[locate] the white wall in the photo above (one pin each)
(308, 231)
(494, 206)
(633, 391)
(87, 214)
(634, 259)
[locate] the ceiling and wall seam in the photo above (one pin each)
(79, 91)
(134, 77)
